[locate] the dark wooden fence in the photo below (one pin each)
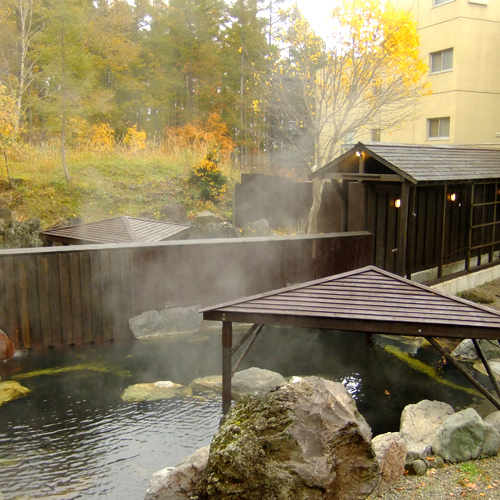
(86, 293)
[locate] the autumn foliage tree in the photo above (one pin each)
(368, 75)
(8, 122)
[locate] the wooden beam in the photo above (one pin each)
(247, 349)
(493, 379)
(364, 177)
(354, 326)
(244, 338)
(227, 343)
(464, 372)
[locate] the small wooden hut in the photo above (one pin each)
(117, 230)
(428, 207)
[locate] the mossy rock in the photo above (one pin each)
(10, 390)
(478, 295)
(153, 391)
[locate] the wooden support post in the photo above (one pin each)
(345, 207)
(412, 215)
(470, 208)
(442, 240)
(493, 379)
(464, 372)
(227, 344)
(402, 230)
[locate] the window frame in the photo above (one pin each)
(438, 3)
(438, 137)
(375, 134)
(442, 54)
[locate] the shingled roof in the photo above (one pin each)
(427, 164)
(118, 230)
(367, 300)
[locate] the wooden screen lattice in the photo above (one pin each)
(484, 227)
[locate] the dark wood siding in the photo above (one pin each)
(382, 221)
(82, 294)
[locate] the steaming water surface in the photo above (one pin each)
(73, 436)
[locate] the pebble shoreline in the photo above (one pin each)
(454, 480)
(477, 479)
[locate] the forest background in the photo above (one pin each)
(111, 108)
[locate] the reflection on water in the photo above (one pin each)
(73, 437)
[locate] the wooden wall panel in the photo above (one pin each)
(75, 291)
(67, 329)
(97, 290)
(23, 301)
(36, 338)
(84, 294)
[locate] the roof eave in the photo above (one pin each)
(360, 147)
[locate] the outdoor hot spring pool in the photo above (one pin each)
(73, 436)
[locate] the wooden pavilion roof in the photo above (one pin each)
(365, 300)
(118, 230)
(424, 164)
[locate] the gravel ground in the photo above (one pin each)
(468, 480)
(477, 479)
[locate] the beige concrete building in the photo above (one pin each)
(461, 41)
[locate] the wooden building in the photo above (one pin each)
(366, 300)
(428, 207)
(117, 230)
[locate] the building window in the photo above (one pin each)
(441, 2)
(376, 135)
(350, 136)
(441, 61)
(438, 128)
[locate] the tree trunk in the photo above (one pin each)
(312, 226)
(63, 127)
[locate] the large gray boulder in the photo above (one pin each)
(419, 424)
(178, 483)
(244, 383)
(23, 234)
(494, 420)
(465, 351)
(390, 450)
(170, 321)
(303, 441)
(494, 364)
(255, 380)
(258, 228)
(465, 436)
(208, 225)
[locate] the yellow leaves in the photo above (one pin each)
(207, 176)
(101, 137)
(199, 136)
(7, 114)
(135, 139)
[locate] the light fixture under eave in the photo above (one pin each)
(397, 203)
(359, 153)
(452, 197)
